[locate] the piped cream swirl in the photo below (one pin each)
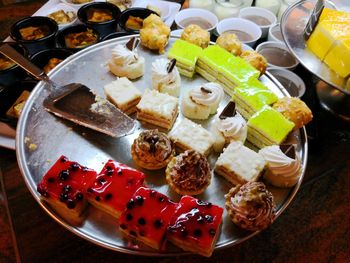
(283, 171)
(123, 56)
(233, 128)
(209, 94)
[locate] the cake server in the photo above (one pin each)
(76, 102)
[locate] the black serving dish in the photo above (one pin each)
(137, 12)
(35, 45)
(115, 35)
(9, 95)
(41, 59)
(60, 39)
(105, 27)
(15, 73)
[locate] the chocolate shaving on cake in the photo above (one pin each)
(206, 90)
(229, 111)
(171, 65)
(132, 43)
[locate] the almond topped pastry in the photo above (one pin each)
(152, 150)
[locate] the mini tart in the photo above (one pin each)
(152, 150)
(188, 173)
(251, 206)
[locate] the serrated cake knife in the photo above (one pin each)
(76, 102)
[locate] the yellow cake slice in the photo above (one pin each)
(338, 59)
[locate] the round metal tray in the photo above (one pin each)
(54, 137)
(293, 23)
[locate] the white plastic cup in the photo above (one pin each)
(196, 12)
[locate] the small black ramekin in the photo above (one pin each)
(60, 39)
(137, 12)
(36, 45)
(41, 59)
(15, 73)
(106, 27)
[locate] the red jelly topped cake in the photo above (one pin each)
(147, 216)
(195, 226)
(63, 187)
(114, 186)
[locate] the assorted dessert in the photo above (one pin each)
(134, 23)
(80, 39)
(53, 62)
(180, 149)
(5, 63)
(34, 32)
(99, 15)
(62, 17)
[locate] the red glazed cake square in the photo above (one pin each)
(147, 216)
(63, 187)
(195, 226)
(113, 187)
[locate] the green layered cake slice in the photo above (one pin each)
(251, 96)
(268, 127)
(186, 55)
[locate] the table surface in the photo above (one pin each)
(314, 228)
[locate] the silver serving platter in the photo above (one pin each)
(55, 137)
(293, 24)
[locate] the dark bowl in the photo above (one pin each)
(60, 39)
(8, 97)
(105, 27)
(115, 35)
(41, 59)
(35, 45)
(137, 12)
(15, 73)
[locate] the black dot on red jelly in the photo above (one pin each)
(74, 166)
(197, 232)
(51, 180)
(209, 218)
(200, 220)
(64, 159)
(79, 196)
(203, 203)
(128, 217)
(212, 231)
(130, 182)
(123, 226)
(120, 172)
(139, 200)
(85, 169)
(109, 172)
(130, 204)
(141, 221)
(67, 188)
(158, 223)
(133, 233)
(142, 233)
(183, 232)
(101, 180)
(108, 196)
(63, 175)
(63, 197)
(97, 198)
(70, 203)
(161, 199)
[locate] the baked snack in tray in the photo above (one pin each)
(268, 127)
(154, 33)
(283, 168)
(147, 216)
(251, 96)
(63, 188)
(126, 63)
(251, 206)
(255, 59)
(238, 164)
(123, 94)
(201, 101)
(195, 226)
(157, 108)
(182, 136)
(196, 35)
(295, 110)
(188, 173)
(113, 187)
(228, 126)
(152, 150)
(230, 42)
(166, 77)
(186, 55)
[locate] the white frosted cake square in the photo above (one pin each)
(239, 164)
(123, 94)
(157, 108)
(189, 135)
